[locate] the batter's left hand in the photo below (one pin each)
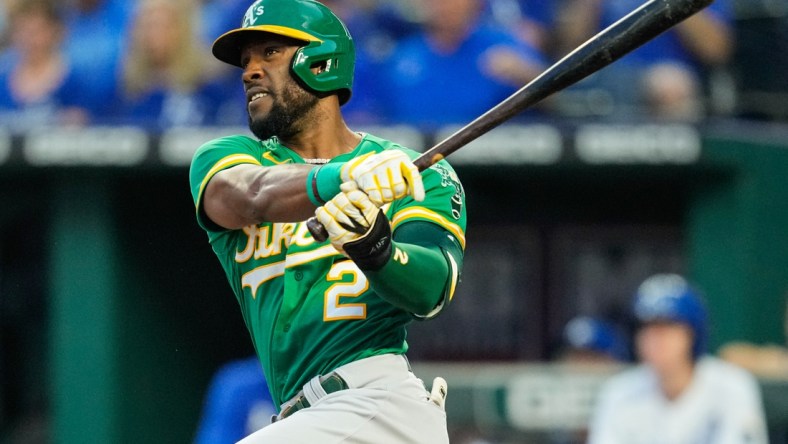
(385, 176)
(357, 227)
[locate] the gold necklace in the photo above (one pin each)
(322, 161)
(317, 161)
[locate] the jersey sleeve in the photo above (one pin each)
(443, 208)
(443, 204)
(215, 156)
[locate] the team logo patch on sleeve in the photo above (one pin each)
(449, 178)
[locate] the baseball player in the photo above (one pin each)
(327, 319)
(593, 340)
(678, 395)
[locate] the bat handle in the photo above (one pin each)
(317, 229)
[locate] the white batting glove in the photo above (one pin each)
(385, 176)
(357, 227)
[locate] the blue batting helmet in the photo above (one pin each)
(669, 297)
(597, 335)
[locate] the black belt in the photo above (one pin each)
(332, 383)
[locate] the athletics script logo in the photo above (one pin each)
(449, 178)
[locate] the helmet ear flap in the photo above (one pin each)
(336, 62)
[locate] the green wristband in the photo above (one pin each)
(323, 182)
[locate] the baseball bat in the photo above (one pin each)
(609, 45)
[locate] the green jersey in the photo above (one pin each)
(309, 309)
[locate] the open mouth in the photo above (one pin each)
(257, 97)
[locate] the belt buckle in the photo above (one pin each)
(331, 383)
(300, 403)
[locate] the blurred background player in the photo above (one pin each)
(237, 403)
(678, 394)
(591, 340)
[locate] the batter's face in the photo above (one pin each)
(665, 346)
(277, 104)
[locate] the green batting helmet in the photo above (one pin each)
(326, 38)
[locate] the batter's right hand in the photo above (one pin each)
(357, 228)
(385, 176)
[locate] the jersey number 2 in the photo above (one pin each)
(334, 310)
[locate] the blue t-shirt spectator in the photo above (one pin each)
(375, 30)
(166, 79)
(666, 47)
(365, 105)
(663, 79)
(529, 20)
(38, 85)
(46, 110)
(95, 34)
(427, 88)
(541, 11)
(163, 108)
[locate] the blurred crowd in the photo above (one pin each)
(424, 63)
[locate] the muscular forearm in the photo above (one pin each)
(414, 279)
(249, 194)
